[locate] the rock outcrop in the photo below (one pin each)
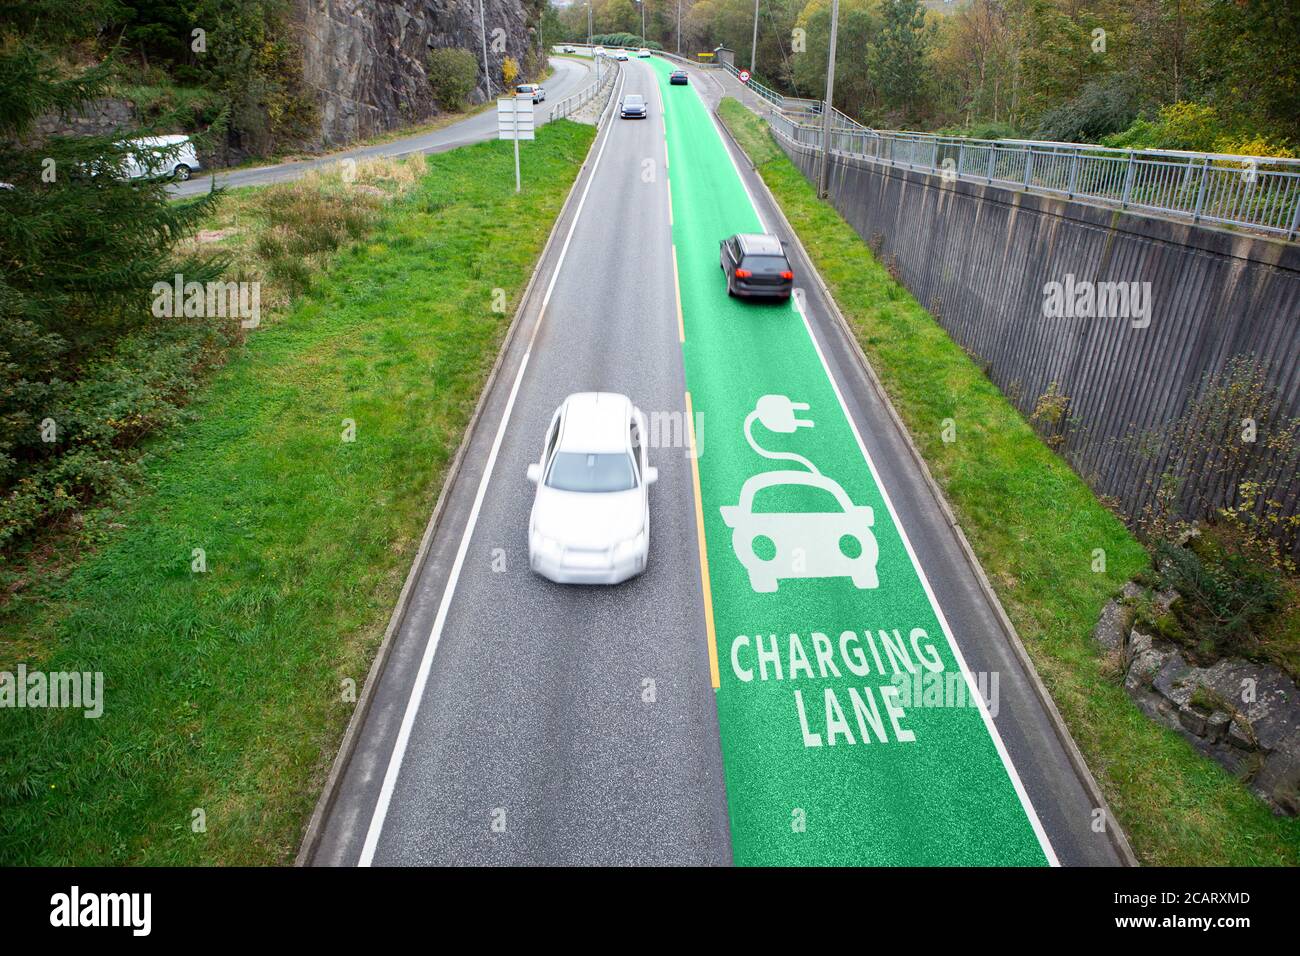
(365, 59)
(1244, 715)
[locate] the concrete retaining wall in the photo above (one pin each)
(981, 258)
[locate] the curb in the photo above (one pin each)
(1114, 831)
(329, 793)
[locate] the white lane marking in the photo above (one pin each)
(435, 635)
(1016, 783)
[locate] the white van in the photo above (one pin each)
(172, 156)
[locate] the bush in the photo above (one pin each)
(625, 40)
(1200, 128)
(985, 130)
(1189, 126)
(453, 74)
(1103, 108)
(138, 388)
(1225, 594)
(1247, 144)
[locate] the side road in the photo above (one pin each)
(570, 76)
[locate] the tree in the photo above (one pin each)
(855, 92)
(453, 74)
(896, 60)
(80, 249)
(1248, 61)
(975, 64)
(618, 16)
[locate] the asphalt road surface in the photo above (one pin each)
(521, 722)
(570, 76)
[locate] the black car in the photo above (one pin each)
(756, 265)
(632, 106)
(678, 78)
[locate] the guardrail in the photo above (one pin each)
(576, 101)
(772, 96)
(809, 112)
(1255, 192)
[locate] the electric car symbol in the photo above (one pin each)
(781, 545)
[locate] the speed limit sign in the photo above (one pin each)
(744, 76)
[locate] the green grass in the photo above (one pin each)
(223, 689)
(1034, 525)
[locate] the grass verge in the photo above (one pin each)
(225, 691)
(1035, 526)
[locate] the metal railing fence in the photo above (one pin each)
(1260, 193)
(576, 101)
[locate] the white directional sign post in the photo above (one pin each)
(515, 121)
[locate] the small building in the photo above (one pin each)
(724, 57)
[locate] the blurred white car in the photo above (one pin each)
(598, 51)
(590, 522)
(172, 156)
(643, 52)
(621, 55)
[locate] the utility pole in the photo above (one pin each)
(589, 45)
(487, 71)
(830, 97)
(679, 27)
(641, 4)
(753, 49)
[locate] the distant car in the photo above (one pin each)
(533, 90)
(756, 265)
(567, 49)
(643, 53)
(590, 522)
(598, 51)
(166, 156)
(632, 106)
(621, 55)
(678, 78)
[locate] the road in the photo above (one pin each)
(520, 722)
(570, 76)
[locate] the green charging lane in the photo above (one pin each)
(852, 730)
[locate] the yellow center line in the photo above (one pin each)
(677, 289)
(704, 554)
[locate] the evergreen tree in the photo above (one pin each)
(897, 61)
(80, 246)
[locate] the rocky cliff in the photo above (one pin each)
(365, 58)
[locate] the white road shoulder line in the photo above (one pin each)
(435, 635)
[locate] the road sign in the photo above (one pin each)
(744, 76)
(515, 118)
(515, 121)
